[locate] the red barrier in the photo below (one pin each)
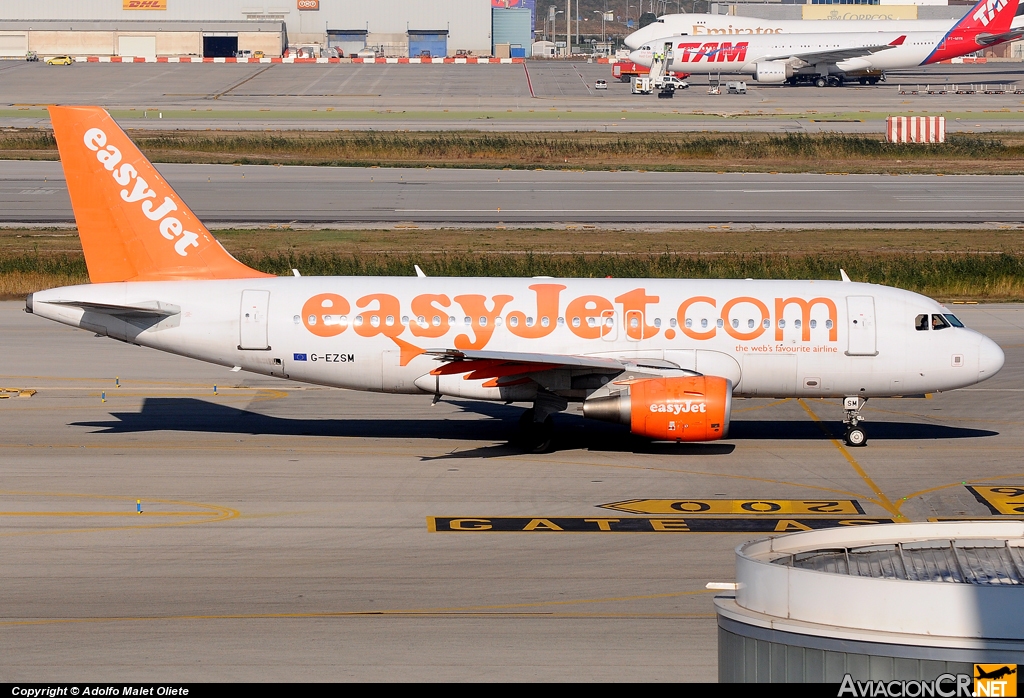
(915, 129)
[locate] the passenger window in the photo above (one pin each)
(921, 323)
(953, 320)
(939, 322)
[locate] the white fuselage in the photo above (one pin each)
(743, 54)
(729, 26)
(770, 338)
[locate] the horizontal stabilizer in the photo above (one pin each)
(146, 309)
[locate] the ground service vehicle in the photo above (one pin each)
(60, 60)
(625, 71)
(664, 357)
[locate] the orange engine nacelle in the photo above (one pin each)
(686, 408)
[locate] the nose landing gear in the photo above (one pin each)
(855, 434)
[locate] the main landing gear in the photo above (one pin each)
(855, 433)
(537, 424)
(534, 436)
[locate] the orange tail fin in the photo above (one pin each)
(133, 226)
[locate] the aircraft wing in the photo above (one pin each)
(490, 364)
(837, 55)
(146, 309)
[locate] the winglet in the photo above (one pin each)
(419, 272)
(133, 226)
(898, 41)
(844, 276)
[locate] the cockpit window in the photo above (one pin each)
(953, 320)
(939, 322)
(921, 323)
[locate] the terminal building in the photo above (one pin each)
(878, 602)
(333, 28)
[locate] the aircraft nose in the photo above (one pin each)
(990, 358)
(632, 41)
(637, 57)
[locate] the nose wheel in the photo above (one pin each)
(855, 435)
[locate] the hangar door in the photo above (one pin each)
(13, 45)
(511, 26)
(220, 44)
(346, 42)
(142, 46)
(428, 43)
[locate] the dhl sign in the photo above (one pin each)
(431, 315)
(143, 4)
(713, 52)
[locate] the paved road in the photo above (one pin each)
(34, 192)
(284, 532)
(485, 97)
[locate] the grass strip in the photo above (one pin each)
(827, 152)
(994, 277)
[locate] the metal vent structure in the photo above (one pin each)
(956, 561)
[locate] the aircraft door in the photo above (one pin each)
(860, 325)
(634, 325)
(252, 322)
(609, 325)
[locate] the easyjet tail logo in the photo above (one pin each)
(988, 10)
(714, 52)
(137, 191)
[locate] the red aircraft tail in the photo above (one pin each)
(986, 24)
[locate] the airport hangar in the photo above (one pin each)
(157, 28)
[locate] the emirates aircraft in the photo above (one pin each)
(829, 58)
(718, 25)
(664, 357)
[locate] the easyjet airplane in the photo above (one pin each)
(664, 357)
(778, 58)
(696, 24)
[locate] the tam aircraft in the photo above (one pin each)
(664, 357)
(718, 25)
(832, 56)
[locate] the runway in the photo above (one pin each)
(35, 192)
(559, 96)
(284, 533)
